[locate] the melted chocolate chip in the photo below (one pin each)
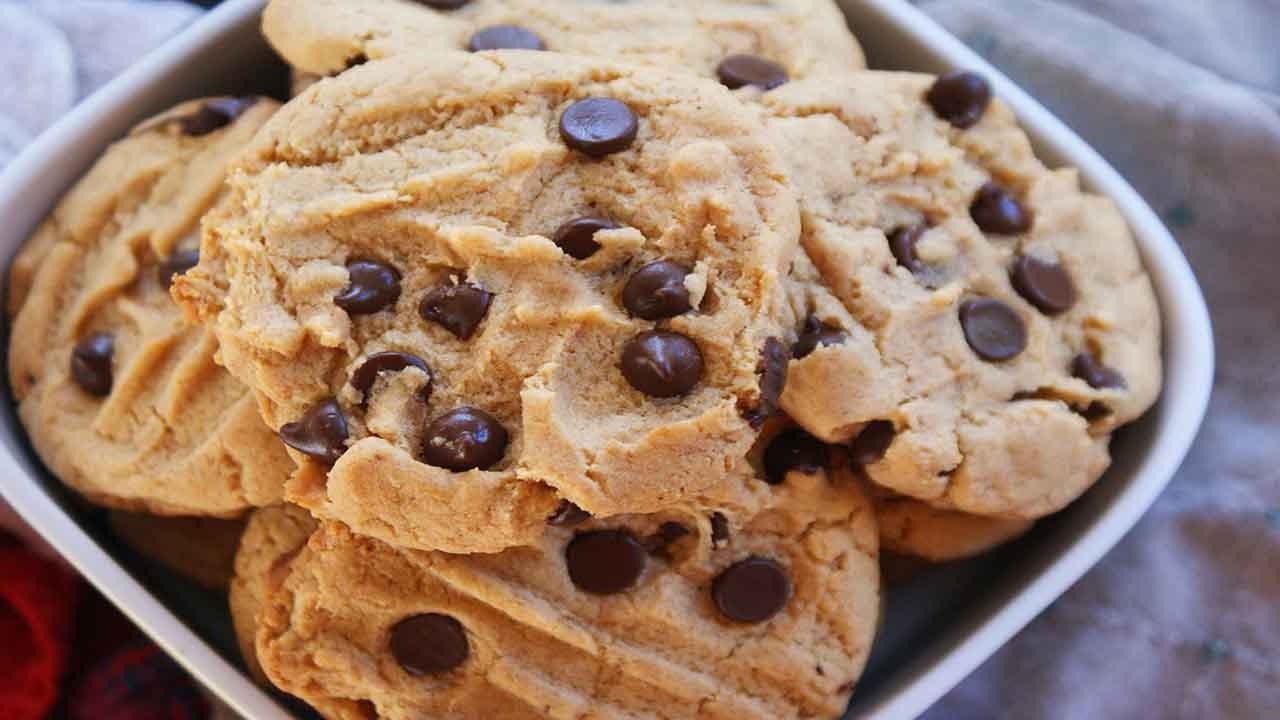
(321, 434)
(505, 37)
(902, 243)
(372, 286)
(662, 364)
(605, 562)
(793, 449)
(464, 439)
(772, 369)
(872, 443)
(1088, 368)
(719, 529)
(182, 260)
(961, 98)
(998, 212)
(993, 329)
(356, 60)
(577, 236)
(91, 363)
(429, 644)
(738, 71)
(658, 544)
(444, 4)
(457, 308)
(1043, 284)
(751, 590)
(365, 375)
(598, 126)
(567, 514)
(657, 291)
(816, 333)
(214, 115)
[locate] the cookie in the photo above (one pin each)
(198, 548)
(917, 529)
(468, 286)
(122, 399)
(1014, 326)
(741, 42)
(672, 615)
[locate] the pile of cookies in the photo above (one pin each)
(577, 359)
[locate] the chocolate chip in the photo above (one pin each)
(1043, 284)
(993, 329)
(772, 369)
(214, 114)
(505, 37)
(373, 286)
(814, 334)
(321, 434)
(902, 243)
(657, 291)
(605, 562)
(356, 60)
(365, 375)
(793, 449)
(998, 212)
(719, 529)
(91, 363)
(577, 236)
(961, 98)
(182, 260)
(464, 439)
(751, 590)
(457, 308)
(737, 71)
(568, 514)
(662, 364)
(598, 126)
(1088, 368)
(872, 443)
(444, 4)
(658, 544)
(429, 644)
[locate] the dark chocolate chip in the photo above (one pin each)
(993, 329)
(372, 286)
(598, 126)
(772, 369)
(444, 4)
(577, 236)
(1088, 368)
(657, 291)
(1094, 412)
(457, 308)
(662, 364)
(605, 562)
(182, 260)
(505, 37)
(961, 98)
(751, 590)
(567, 514)
(321, 434)
(464, 439)
(1043, 284)
(365, 375)
(998, 212)
(872, 443)
(719, 529)
(214, 115)
(91, 363)
(738, 71)
(902, 243)
(357, 60)
(816, 333)
(793, 449)
(668, 532)
(429, 644)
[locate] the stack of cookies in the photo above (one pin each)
(577, 359)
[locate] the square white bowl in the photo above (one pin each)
(937, 629)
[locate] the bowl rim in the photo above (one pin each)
(1188, 352)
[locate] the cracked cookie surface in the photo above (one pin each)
(479, 284)
(1003, 324)
(120, 397)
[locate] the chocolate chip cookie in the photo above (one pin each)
(1013, 324)
(468, 286)
(122, 399)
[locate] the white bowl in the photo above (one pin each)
(937, 629)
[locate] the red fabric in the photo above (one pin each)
(37, 610)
